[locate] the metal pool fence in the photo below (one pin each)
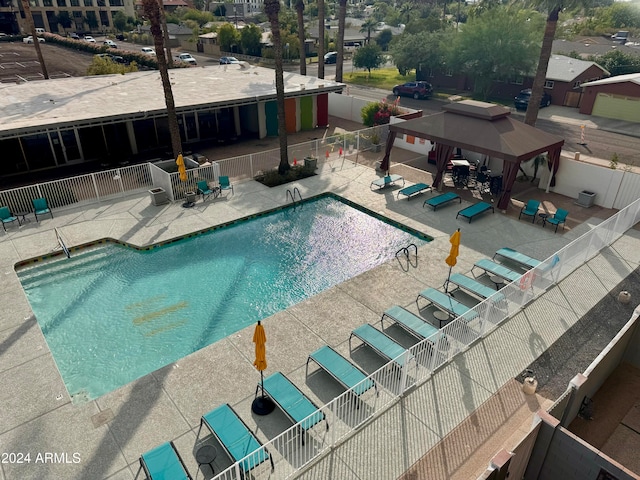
(348, 413)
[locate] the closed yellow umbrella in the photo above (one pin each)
(452, 259)
(182, 170)
(261, 405)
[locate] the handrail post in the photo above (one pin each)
(403, 372)
(95, 186)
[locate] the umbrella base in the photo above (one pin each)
(262, 406)
(188, 204)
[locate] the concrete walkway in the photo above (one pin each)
(108, 434)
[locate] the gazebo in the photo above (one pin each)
(484, 128)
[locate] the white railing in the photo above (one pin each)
(347, 413)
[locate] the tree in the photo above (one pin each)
(227, 36)
(384, 39)
(368, 56)
(272, 9)
(553, 7)
(321, 39)
(91, 20)
(106, 66)
(64, 20)
(250, 38)
(153, 14)
(120, 21)
(499, 44)
(421, 52)
(36, 43)
(366, 27)
(342, 14)
(618, 63)
(301, 36)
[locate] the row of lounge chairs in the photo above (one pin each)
(40, 207)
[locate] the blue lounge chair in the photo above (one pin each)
(560, 217)
(164, 463)
(475, 288)
(475, 210)
(446, 303)
(342, 370)
(493, 268)
(235, 437)
(382, 344)
(6, 217)
(530, 209)
(386, 181)
(205, 190)
(441, 199)
(225, 184)
(410, 322)
(40, 207)
(293, 403)
(413, 190)
(517, 257)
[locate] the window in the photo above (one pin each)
(77, 14)
(47, 3)
(34, 3)
(116, 3)
(62, 3)
(88, 3)
(548, 84)
(517, 80)
(75, 3)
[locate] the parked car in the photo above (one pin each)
(331, 57)
(74, 35)
(148, 51)
(521, 102)
(113, 58)
(621, 37)
(110, 43)
(89, 38)
(120, 37)
(187, 58)
(228, 60)
(29, 39)
(40, 31)
(414, 89)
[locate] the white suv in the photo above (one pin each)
(187, 58)
(148, 51)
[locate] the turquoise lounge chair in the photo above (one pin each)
(446, 303)
(411, 323)
(164, 463)
(293, 403)
(382, 344)
(6, 217)
(225, 184)
(205, 190)
(386, 181)
(493, 268)
(441, 199)
(560, 217)
(40, 207)
(530, 209)
(413, 190)
(517, 257)
(475, 288)
(475, 210)
(342, 370)
(235, 437)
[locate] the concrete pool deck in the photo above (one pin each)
(109, 434)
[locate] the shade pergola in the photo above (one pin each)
(484, 128)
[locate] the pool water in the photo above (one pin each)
(111, 313)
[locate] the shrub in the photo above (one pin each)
(379, 113)
(272, 178)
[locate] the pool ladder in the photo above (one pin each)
(405, 250)
(61, 243)
(293, 194)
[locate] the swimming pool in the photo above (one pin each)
(112, 313)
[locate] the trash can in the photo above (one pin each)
(586, 198)
(311, 162)
(158, 196)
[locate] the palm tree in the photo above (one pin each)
(543, 63)
(342, 15)
(301, 37)
(368, 25)
(36, 42)
(165, 32)
(272, 9)
(152, 12)
(320, 38)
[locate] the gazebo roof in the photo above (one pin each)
(481, 127)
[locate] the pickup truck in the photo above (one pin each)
(187, 58)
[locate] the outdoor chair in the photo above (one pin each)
(530, 209)
(164, 462)
(6, 217)
(411, 323)
(382, 344)
(514, 256)
(560, 217)
(205, 190)
(341, 370)
(40, 207)
(225, 184)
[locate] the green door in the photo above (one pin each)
(306, 113)
(271, 114)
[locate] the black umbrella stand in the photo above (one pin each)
(262, 405)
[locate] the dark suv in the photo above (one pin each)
(414, 89)
(522, 100)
